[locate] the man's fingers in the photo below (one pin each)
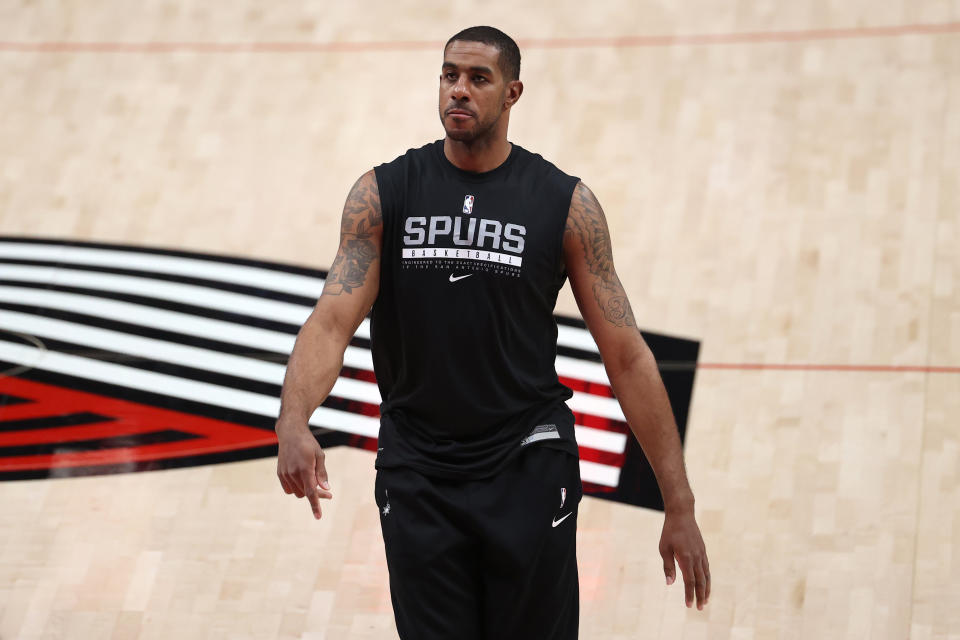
(689, 579)
(290, 487)
(292, 483)
(681, 544)
(321, 472)
(302, 472)
(287, 481)
(284, 483)
(701, 586)
(669, 568)
(706, 574)
(314, 503)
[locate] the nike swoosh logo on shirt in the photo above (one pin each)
(455, 278)
(556, 522)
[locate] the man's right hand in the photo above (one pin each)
(300, 466)
(349, 291)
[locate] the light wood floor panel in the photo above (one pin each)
(105, 20)
(783, 202)
(936, 585)
(937, 564)
(945, 325)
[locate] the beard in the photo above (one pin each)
(480, 130)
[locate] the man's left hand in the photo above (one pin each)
(681, 539)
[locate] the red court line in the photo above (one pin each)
(868, 368)
(615, 42)
(218, 47)
(745, 37)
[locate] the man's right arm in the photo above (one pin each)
(348, 293)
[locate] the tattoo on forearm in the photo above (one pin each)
(587, 223)
(361, 214)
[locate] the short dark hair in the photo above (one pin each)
(509, 59)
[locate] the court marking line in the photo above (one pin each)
(598, 42)
(854, 368)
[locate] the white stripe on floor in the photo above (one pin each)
(599, 473)
(203, 392)
(175, 353)
(600, 439)
(209, 328)
(206, 297)
(262, 277)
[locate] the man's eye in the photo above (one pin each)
(479, 79)
(450, 75)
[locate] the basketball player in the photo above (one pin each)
(461, 247)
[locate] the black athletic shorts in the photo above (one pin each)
(490, 559)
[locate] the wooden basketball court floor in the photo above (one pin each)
(782, 182)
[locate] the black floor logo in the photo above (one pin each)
(120, 358)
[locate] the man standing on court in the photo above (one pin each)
(461, 247)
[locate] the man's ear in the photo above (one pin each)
(514, 90)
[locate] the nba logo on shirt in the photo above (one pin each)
(468, 204)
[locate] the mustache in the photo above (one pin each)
(455, 107)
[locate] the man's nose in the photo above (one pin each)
(460, 91)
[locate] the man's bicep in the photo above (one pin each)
(353, 281)
(589, 260)
(593, 278)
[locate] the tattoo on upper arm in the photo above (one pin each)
(361, 216)
(587, 223)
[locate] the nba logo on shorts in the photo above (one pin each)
(563, 496)
(468, 204)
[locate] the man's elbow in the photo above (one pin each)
(629, 357)
(331, 320)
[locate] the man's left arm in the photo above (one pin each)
(636, 381)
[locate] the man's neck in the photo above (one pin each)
(478, 156)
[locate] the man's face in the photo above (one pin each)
(473, 90)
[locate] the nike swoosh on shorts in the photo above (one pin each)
(556, 522)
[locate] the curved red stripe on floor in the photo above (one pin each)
(131, 419)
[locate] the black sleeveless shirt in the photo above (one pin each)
(463, 337)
